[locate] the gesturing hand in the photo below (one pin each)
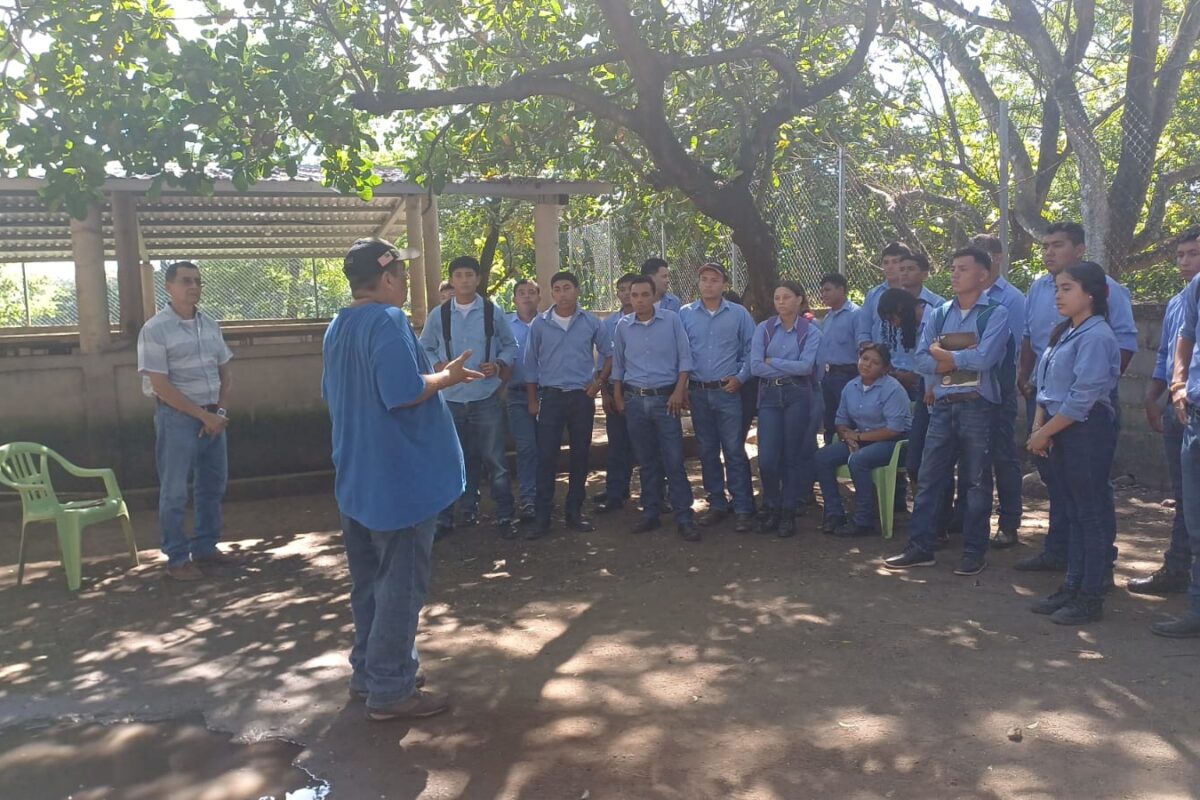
(459, 372)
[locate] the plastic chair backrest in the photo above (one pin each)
(25, 466)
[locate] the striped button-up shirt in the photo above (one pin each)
(188, 351)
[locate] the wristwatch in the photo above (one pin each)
(222, 412)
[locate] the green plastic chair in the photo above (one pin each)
(25, 467)
(885, 485)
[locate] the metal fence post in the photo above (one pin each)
(1004, 153)
(316, 289)
(841, 165)
(25, 293)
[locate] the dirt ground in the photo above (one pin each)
(612, 666)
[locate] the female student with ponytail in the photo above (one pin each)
(783, 355)
(1074, 428)
(905, 316)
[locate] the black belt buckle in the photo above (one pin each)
(781, 382)
(705, 384)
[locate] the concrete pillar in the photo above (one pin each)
(127, 237)
(417, 299)
(149, 290)
(433, 248)
(545, 244)
(91, 291)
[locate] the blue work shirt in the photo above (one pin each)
(720, 341)
(985, 357)
(651, 354)
(669, 302)
(1042, 317)
(565, 359)
(1190, 330)
(610, 327)
(1164, 364)
(870, 328)
(790, 358)
(520, 332)
(467, 333)
(838, 342)
(1013, 301)
(1081, 370)
(396, 464)
(882, 405)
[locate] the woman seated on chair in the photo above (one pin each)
(874, 414)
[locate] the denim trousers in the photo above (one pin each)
(575, 412)
(180, 453)
(619, 464)
(389, 580)
(480, 426)
(958, 432)
(1081, 456)
(1178, 557)
(1190, 469)
(832, 384)
(523, 427)
(657, 438)
(717, 420)
(784, 465)
(869, 457)
(1058, 533)
(1006, 460)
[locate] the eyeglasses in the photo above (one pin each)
(197, 282)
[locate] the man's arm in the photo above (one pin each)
(167, 393)
(226, 375)
(1179, 378)
(454, 373)
(1025, 368)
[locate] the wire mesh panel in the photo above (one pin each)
(43, 295)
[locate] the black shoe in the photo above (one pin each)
(911, 557)
(527, 514)
(1079, 610)
(831, 524)
(646, 525)
(970, 565)
(580, 524)
(1048, 605)
(1159, 582)
(744, 524)
(609, 506)
(1004, 539)
(1187, 627)
(689, 531)
(714, 516)
(505, 528)
(848, 530)
(768, 521)
(1042, 562)
(538, 530)
(787, 525)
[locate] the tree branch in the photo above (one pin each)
(973, 17)
(1158, 202)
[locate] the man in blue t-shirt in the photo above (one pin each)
(397, 463)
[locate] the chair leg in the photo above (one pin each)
(885, 489)
(21, 555)
(133, 551)
(70, 543)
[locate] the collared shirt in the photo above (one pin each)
(1081, 370)
(520, 332)
(1011, 298)
(864, 319)
(396, 464)
(1190, 330)
(651, 354)
(565, 359)
(468, 333)
(790, 357)
(189, 352)
(1164, 364)
(669, 302)
(884, 332)
(610, 326)
(1042, 317)
(838, 342)
(985, 357)
(720, 342)
(882, 405)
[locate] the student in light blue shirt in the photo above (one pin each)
(523, 425)
(719, 334)
(659, 271)
(1073, 428)
(889, 259)
(783, 356)
(652, 360)
(619, 465)
(837, 358)
(478, 408)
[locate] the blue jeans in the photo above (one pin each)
(869, 457)
(480, 426)
(1006, 460)
(523, 427)
(576, 412)
(619, 466)
(832, 384)
(389, 580)
(1178, 557)
(181, 453)
(1190, 469)
(957, 432)
(1058, 532)
(784, 419)
(657, 439)
(1081, 458)
(717, 419)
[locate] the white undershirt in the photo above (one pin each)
(464, 310)
(562, 322)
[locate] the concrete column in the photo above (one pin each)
(433, 248)
(149, 290)
(91, 292)
(127, 236)
(545, 244)
(417, 300)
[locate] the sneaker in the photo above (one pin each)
(1004, 539)
(527, 514)
(744, 524)
(1080, 610)
(580, 524)
(714, 516)
(1187, 627)
(911, 557)
(831, 524)
(689, 531)
(646, 525)
(361, 694)
(1042, 562)
(1048, 605)
(417, 705)
(970, 565)
(849, 530)
(187, 571)
(1160, 582)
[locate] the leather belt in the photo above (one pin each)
(781, 381)
(663, 391)
(837, 369)
(706, 385)
(959, 397)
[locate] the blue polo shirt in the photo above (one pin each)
(1190, 330)
(985, 357)
(864, 320)
(520, 332)
(1164, 362)
(670, 302)
(396, 464)
(1080, 370)
(838, 343)
(1042, 317)
(565, 359)
(720, 341)
(882, 405)
(790, 356)
(468, 333)
(1013, 301)
(651, 354)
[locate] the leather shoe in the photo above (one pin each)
(714, 516)
(1003, 539)
(538, 530)
(744, 524)
(646, 525)
(217, 559)
(1187, 627)
(787, 525)
(1039, 563)
(417, 705)
(187, 571)
(768, 521)
(580, 524)
(609, 506)
(1159, 582)
(689, 531)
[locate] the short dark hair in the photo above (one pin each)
(652, 265)
(628, 277)
(639, 279)
(895, 249)
(525, 282)
(835, 278)
(885, 353)
(1190, 235)
(466, 262)
(446, 286)
(922, 260)
(794, 288)
(981, 258)
(988, 243)
(169, 273)
(1073, 230)
(563, 275)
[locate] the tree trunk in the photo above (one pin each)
(758, 245)
(487, 256)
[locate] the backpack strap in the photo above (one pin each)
(489, 328)
(445, 312)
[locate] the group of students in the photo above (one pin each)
(943, 377)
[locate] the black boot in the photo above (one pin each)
(769, 521)
(787, 525)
